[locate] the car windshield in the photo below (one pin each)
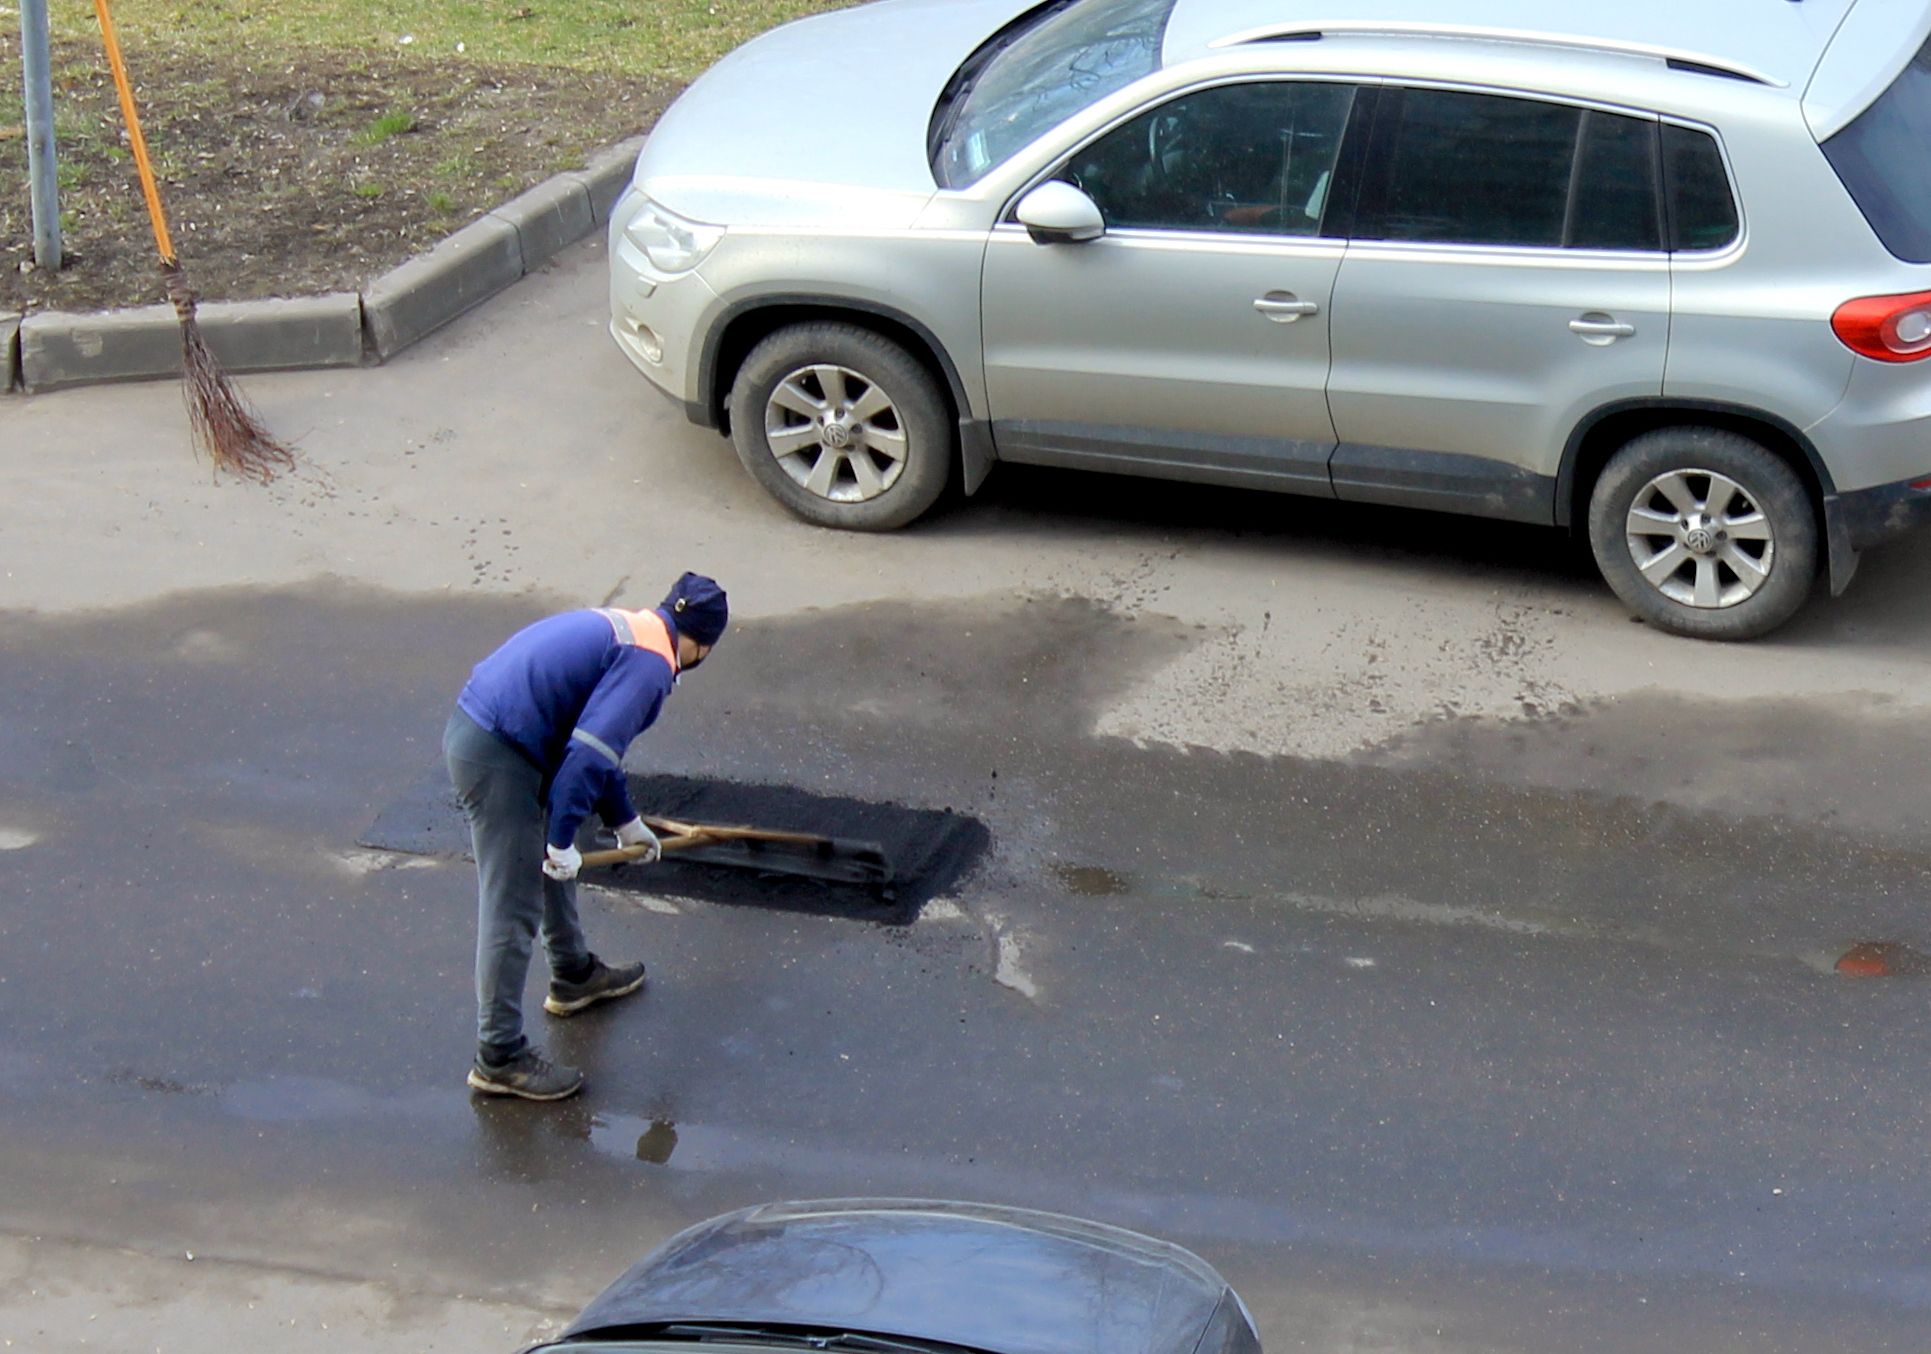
(1032, 77)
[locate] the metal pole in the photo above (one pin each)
(37, 68)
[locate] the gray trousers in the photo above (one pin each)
(503, 798)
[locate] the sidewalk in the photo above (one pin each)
(63, 1297)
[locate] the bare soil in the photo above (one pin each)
(288, 174)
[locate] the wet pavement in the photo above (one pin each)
(1456, 965)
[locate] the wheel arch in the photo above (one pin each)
(1603, 432)
(745, 324)
(1598, 437)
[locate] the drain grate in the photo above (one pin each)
(930, 850)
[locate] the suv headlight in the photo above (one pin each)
(671, 243)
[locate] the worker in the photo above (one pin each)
(535, 744)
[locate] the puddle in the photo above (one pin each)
(1883, 959)
(930, 850)
(712, 1149)
(655, 1142)
(1090, 881)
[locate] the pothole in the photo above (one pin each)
(929, 850)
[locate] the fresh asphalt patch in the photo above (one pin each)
(929, 850)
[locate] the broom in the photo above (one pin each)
(223, 425)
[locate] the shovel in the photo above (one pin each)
(836, 860)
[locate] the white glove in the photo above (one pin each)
(562, 862)
(637, 833)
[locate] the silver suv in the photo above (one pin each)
(1658, 270)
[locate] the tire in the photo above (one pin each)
(875, 467)
(1704, 533)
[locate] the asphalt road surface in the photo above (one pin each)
(1369, 904)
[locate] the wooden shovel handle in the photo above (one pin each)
(676, 836)
(718, 832)
(621, 854)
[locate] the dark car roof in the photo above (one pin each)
(998, 1279)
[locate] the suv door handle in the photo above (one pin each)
(1284, 307)
(1596, 325)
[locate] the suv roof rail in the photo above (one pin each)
(1696, 62)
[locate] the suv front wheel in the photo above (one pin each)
(842, 426)
(1704, 533)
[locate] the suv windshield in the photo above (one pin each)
(1883, 161)
(1033, 76)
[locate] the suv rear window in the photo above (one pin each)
(1459, 168)
(1882, 159)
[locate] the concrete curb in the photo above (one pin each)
(53, 350)
(432, 289)
(607, 175)
(58, 350)
(10, 349)
(551, 216)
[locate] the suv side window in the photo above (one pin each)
(1612, 204)
(1702, 213)
(1254, 159)
(1450, 167)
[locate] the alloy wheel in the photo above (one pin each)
(836, 433)
(1700, 538)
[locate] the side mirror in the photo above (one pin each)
(1058, 213)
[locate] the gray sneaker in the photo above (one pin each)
(529, 1075)
(603, 984)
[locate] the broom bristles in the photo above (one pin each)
(224, 426)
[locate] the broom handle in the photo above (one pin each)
(148, 189)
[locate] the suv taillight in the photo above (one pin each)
(1888, 328)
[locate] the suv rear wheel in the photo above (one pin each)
(1704, 533)
(842, 426)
